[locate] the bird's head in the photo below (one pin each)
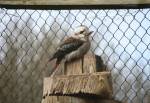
(82, 32)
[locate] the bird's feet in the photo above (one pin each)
(54, 70)
(53, 74)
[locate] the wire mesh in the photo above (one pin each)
(27, 37)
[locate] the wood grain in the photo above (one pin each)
(74, 67)
(72, 2)
(89, 63)
(79, 83)
(94, 84)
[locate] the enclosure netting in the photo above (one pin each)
(28, 37)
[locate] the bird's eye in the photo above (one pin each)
(81, 32)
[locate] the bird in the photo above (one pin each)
(73, 47)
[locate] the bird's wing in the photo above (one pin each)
(68, 41)
(80, 52)
(67, 46)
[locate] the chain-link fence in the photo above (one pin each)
(27, 37)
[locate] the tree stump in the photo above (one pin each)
(79, 83)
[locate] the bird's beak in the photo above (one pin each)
(90, 33)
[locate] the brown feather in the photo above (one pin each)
(68, 40)
(80, 52)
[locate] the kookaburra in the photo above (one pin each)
(73, 47)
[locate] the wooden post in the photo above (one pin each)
(73, 68)
(80, 83)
